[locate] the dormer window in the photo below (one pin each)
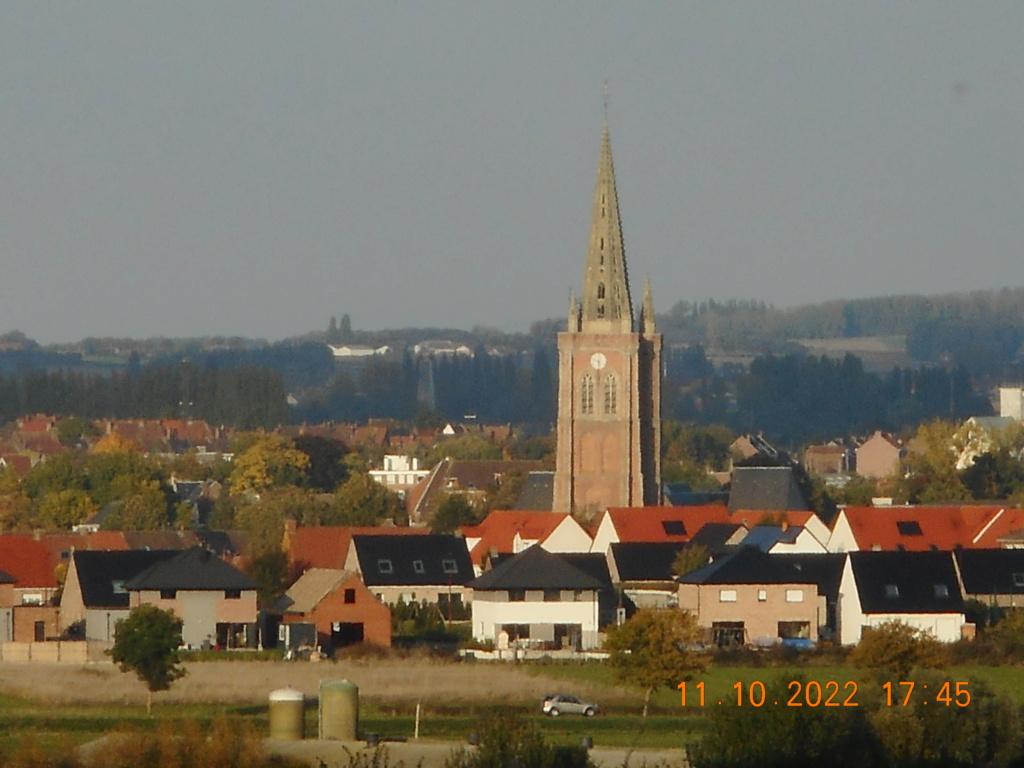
(385, 567)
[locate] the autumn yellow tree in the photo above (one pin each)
(270, 461)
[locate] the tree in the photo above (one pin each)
(893, 649)
(147, 643)
(268, 462)
(453, 511)
(651, 649)
(931, 473)
(361, 500)
(689, 559)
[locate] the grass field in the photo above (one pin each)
(59, 705)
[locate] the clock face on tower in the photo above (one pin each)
(598, 361)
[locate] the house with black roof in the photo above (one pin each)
(766, 488)
(434, 568)
(95, 597)
(215, 601)
(643, 571)
(749, 596)
(536, 599)
(993, 576)
(920, 589)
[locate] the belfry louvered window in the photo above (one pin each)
(587, 394)
(611, 394)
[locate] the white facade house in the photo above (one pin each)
(919, 589)
(358, 350)
(536, 600)
(1011, 403)
(399, 472)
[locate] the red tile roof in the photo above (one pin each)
(499, 529)
(925, 527)
(649, 523)
(28, 560)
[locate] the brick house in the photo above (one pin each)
(339, 604)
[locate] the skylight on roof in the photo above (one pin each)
(449, 566)
(909, 528)
(1018, 579)
(417, 567)
(891, 590)
(674, 527)
(385, 566)
(941, 590)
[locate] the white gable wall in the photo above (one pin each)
(492, 609)
(842, 538)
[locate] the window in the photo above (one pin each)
(385, 566)
(941, 590)
(891, 590)
(577, 595)
(909, 528)
(117, 587)
(350, 596)
(611, 394)
(32, 598)
(587, 394)
(449, 566)
(168, 594)
(794, 595)
(673, 527)
(417, 567)
(727, 596)
(1018, 579)
(600, 308)
(517, 595)
(600, 290)
(552, 595)
(232, 594)
(762, 595)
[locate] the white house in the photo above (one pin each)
(536, 600)
(919, 589)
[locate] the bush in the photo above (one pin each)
(893, 649)
(508, 740)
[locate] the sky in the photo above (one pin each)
(220, 168)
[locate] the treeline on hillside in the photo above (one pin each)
(244, 397)
(982, 330)
(796, 399)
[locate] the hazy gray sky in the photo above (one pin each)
(220, 168)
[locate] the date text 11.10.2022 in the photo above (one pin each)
(811, 693)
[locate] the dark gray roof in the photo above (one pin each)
(746, 565)
(681, 495)
(591, 563)
(824, 569)
(714, 537)
(103, 575)
(433, 559)
(645, 560)
(537, 493)
(193, 569)
(765, 488)
(907, 582)
(535, 568)
(764, 537)
(6, 578)
(992, 571)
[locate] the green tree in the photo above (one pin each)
(270, 569)
(73, 428)
(147, 643)
(689, 559)
(60, 510)
(453, 511)
(930, 474)
(893, 649)
(651, 649)
(361, 500)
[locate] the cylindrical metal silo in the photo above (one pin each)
(339, 710)
(287, 714)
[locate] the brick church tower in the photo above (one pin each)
(609, 377)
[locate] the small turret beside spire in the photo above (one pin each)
(574, 313)
(647, 311)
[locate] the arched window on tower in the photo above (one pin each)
(600, 290)
(587, 394)
(611, 393)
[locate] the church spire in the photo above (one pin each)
(606, 304)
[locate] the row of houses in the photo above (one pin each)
(535, 578)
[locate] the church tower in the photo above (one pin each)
(609, 376)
